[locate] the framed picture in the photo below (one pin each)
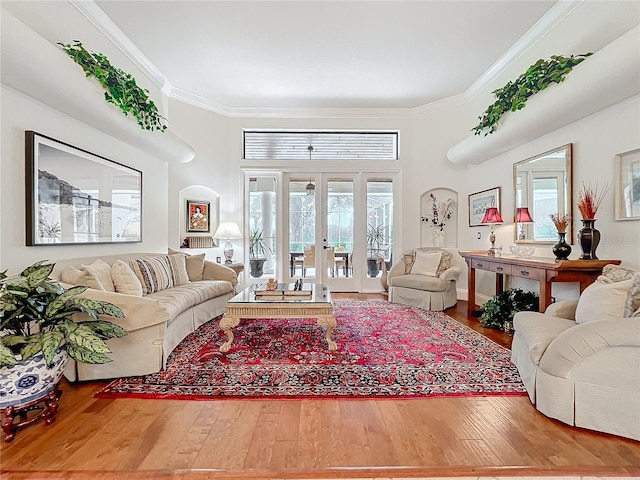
(628, 185)
(77, 197)
(198, 216)
(479, 202)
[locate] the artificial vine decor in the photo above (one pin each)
(120, 87)
(513, 96)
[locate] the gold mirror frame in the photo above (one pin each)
(551, 172)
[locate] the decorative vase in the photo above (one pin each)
(562, 249)
(589, 238)
(438, 237)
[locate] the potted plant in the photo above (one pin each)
(38, 334)
(499, 311)
(258, 247)
(376, 238)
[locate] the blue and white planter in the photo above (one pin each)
(30, 379)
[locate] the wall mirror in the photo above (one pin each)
(542, 185)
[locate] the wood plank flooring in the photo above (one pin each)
(311, 438)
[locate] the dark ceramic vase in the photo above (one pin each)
(589, 238)
(562, 249)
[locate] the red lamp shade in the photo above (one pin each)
(523, 216)
(492, 215)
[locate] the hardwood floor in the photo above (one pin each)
(310, 438)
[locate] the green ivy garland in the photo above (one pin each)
(120, 87)
(513, 96)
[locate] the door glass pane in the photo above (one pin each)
(379, 225)
(339, 227)
(262, 227)
(302, 229)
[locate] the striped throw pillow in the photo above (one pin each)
(154, 273)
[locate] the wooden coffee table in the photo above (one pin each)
(247, 305)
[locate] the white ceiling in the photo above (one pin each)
(301, 54)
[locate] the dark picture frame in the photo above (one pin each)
(76, 197)
(479, 202)
(198, 216)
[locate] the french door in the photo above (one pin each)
(321, 227)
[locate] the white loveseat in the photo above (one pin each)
(156, 322)
(580, 360)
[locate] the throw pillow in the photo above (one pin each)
(194, 264)
(426, 262)
(102, 270)
(178, 265)
(445, 262)
(408, 258)
(614, 273)
(602, 301)
(83, 277)
(154, 273)
(124, 280)
(632, 305)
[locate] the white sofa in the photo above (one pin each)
(156, 323)
(430, 284)
(585, 373)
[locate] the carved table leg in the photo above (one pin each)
(226, 324)
(329, 322)
(46, 411)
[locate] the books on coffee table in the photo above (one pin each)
(284, 289)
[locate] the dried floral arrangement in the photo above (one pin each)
(561, 221)
(440, 213)
(590, 198)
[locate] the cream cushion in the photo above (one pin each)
(193, 263)
(177, 262)
(124, 280)
(426, 262)
(102, 270)
(632, 305)
(602, 301)
(83, 277)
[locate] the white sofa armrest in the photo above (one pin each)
(573, 346)
(563, 309)
(452, 273)
(216, 271)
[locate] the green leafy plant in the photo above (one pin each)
(513, 96)
(257, 244)
(498, 312)
(120, 87)
(35, 316)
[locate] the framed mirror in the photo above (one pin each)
(542, 185)
(628, 185)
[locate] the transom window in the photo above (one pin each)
(327, 145)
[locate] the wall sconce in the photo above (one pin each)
(491, 217)
(523, 216)
(228, 231)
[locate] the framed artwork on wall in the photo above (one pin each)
(76, 197)
(628, 185)
(198, 216)
(479, 202)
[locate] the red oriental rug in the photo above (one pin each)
(384, 350)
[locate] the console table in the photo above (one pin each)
(543, 270)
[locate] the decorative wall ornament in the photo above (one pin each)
(120, 87)
(513, 96)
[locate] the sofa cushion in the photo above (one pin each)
(102, 270)
(125, 280)
(537, 331)
(177, 262)
(426, 262)
(615, 273)
(194, 264)
(602, 301)
(154, 273)
(182, 297)
(632, 305)
(419, 282)
(83, 277)
(445, 262)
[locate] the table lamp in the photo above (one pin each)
(523, 216)
(491, 217)
(228, 231)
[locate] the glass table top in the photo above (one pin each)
(319, 294)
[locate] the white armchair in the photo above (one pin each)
(426, 277)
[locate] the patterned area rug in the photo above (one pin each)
(384, 350)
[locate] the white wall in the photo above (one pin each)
(20, 113)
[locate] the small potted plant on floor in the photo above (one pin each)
(38, 334)
(258, 249)
(499, 311)
(376, 239)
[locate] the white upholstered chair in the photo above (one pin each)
(426, 277)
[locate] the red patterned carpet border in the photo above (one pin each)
(384, 350)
